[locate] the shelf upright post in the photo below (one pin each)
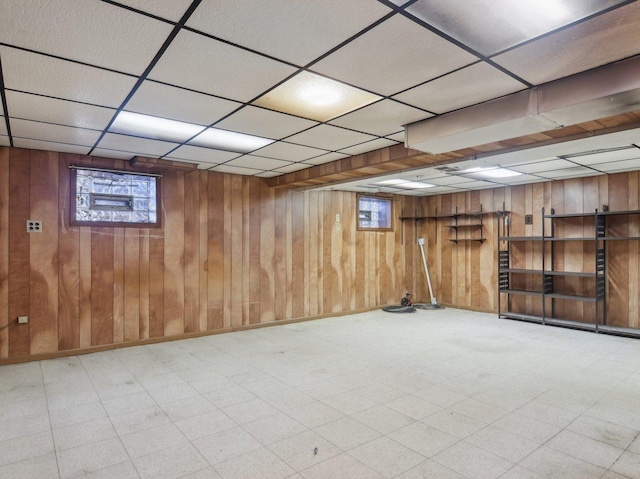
(543, 278)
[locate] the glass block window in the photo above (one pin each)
(375, 213)
(113, 198)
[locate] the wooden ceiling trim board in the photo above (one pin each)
(399, 158)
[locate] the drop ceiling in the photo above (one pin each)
(69, 69)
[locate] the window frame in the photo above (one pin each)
(387, 198)
(73, 175)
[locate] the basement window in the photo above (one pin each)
(113, 198)
(375, 213)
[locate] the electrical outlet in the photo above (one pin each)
(23, 319)
(34, 226)
(528, 219)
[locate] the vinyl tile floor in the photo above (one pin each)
(445, 394)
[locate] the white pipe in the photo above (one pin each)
(426, 270)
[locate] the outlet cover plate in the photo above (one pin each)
(34, 226)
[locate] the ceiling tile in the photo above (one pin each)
(382, 118)
(447, 180)
(478, 185)
(173, 10)
(393, 56)
(601, 40)
(490, 26)
(194, 61)
(329, 137)
(34, 130)
(368, 146)
(179, 104)
(268, 174)
(203, 155)
(292, 167)
(397, 136)
(142, 146)
(50, 146)
(618, 166)
(4, 140)
(326, 158)
(62, 112)
(282, 150)
(250, 161)
(574, 172)
(236, 170)
(35, 73)
(297, 32)
(465, 87)
(607, 156)
(3, 126)
(516, 180)
(91, 32)
(265, 123)
(118, 155)
(541, 166)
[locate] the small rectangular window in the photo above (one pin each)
(114, 198)
(375, 213)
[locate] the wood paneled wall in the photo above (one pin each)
(465, 274)
(232, 252)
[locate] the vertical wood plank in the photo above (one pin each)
(19, 212)
(102, 276)
(118, 284)
(173, 194)
(227, 297)
(246, 249)
(234, 266)
(314, 235)
(145, 284)
(204, 250)
(132, 297)
(4, 252)
(297, 254)
(68, 263)
(156, 282)
(279, 256)
(215, 255)
(191, 251)
(618, 253)
(254, 250)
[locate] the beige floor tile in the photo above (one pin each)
(261, 463)
(43, 467)
(91, 457)
(304, 450)
(340, 467)
(387, 457)
(552, 464)
(274, 428)
(383, 419)
(227, 444)
(430, 469)
(347, 433)
(628, 465)
(423, 439)
(151, 440)
(314, 414)
(473, 462)
(171, 463)
(205, 424)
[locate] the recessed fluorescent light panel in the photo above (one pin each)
(398, 183)
(490, 172)
(229, 140)
(315, 97)
(154, 127)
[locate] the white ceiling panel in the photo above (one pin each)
(447, 180)
(50, 146)
(265, 123)
(465, 87)
(236, 170)
(393, 56)
(382, 118)
(3, 125)
(607, 156)
(517, 180)
(326, 158)
(298, 32)
(54, 133)
(478, 185)
(88, 31)
(268, 174)
(4, 140)
(118, 155)
(203, 155)
(490, 26)
(179, 104)
(194, 61)
(329, 137)
(618, 166)
(257, 162)
(173, 10)
(540, 166)
(141, 146)
(62, 112)
(288, 151)
(368, 146)
(596, 42)
(574, 172)
(292, 167)
(35, 73)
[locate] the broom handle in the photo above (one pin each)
(426, 270)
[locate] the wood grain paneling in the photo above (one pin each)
(233, 252)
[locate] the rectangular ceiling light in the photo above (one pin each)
(491, 172)
(229, 140)
(398, 183)
(154, 127)
(315, 97)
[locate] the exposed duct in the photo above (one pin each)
(606, 91)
